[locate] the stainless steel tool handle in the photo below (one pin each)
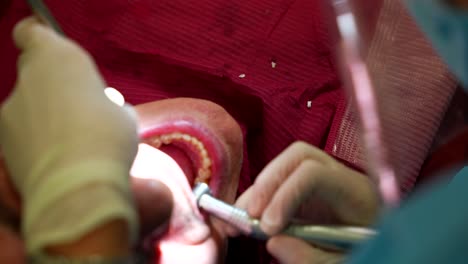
(333, 237)
(230, 214)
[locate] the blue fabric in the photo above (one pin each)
(432, 227)
(447, 29)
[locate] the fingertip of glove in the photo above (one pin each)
(30, 32)
(270, 225)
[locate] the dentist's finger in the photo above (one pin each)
(279, 169)
(349, 194)
(117, 98)
(30, 33)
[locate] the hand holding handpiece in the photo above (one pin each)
(340, 238)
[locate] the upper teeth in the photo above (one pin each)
(204, 172)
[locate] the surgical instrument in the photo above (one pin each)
(41, 10)
(332, 237)
(357, 76)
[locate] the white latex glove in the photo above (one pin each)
(304, 182)
(67, 147)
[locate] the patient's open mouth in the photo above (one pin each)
(205, 144)
(197, 151)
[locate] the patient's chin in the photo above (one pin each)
(185, 141)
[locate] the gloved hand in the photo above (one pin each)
(153, 217)
(67, 147)
(306, 183)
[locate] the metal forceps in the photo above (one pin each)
(341, 238)
(41, 10)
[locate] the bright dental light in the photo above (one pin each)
(115, 96)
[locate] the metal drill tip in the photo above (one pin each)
(200, 189)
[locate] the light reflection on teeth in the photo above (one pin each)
(204, 172)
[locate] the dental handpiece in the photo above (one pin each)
(340, 238)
